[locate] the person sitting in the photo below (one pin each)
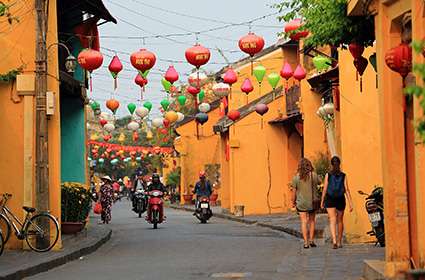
(156, 184)
(139, 183)
(202, 188)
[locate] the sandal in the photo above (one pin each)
(335, 246)
(312, 244)
(306, 246)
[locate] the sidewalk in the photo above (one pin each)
(19, 264)
(288, 222)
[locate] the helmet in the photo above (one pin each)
(139, 173)
(201, 174)
(155, 176)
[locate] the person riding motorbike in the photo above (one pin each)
(202, 188)
(138, 183)
(155, 185)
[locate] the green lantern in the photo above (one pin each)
(95, 105)
(259, 73)
(273, 79)
(147, 105)
(182, 100)
(164, 104)
(201, 95)
(131, 108)
(321, 63)
(166, 84)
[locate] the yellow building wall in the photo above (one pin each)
(261, 163)
(360, 140)
(197, 150)
(18, 115)
(224, 195)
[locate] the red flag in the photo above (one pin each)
(223, 106)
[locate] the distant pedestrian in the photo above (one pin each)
(333, 199)
(305, 197)
(106, 199)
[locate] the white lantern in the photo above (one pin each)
(106, 116)
(109, 127)
(142, 112)
(193, 79)
(204, 107)
(157, 122)
(88, 126)
(180, 117)
(221, 89)
(133, 126)
(329, 108)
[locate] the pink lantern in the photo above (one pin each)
(171, 75)
(299, 73)
(286, 73)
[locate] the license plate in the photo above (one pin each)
(204, 205)
(374, 217)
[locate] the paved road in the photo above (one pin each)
(184, 249)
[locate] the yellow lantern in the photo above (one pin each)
(94, 137)
(171, 116)
(149, 135)
(121, 138)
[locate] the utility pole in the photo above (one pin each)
(41, 154)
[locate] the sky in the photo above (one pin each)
(138, 18)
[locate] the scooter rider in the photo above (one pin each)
(139, 183)
(156, 184)
(202, 188)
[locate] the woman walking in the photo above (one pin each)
(305, 198)
(106, 199)
(333, 199)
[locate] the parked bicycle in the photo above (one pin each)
(40, 230)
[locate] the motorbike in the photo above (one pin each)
(155, 214)
(203, 210)
(375, 208)
(140, 202)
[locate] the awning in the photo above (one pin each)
(92, 7)
(287, 120)
(72, 88)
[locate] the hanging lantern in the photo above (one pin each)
(259, 73)
(197, 78)
(193, 90)
(201, 118)
(115, 66)
(356, 50)
(109, 127)
(372, 60)
(201, 95)
(361, 65)
(142, 60)
(261, 109)
(292, 27)
(399, 59)
(286, 73)
(166, 84)
(147, 105)
(234, 115)
(328, 108)
(90, 60)
(165, 104)
(273, 79)
(204, 107)
(112, 104)
(166, 122)
(321, 63)
(171, 75)
(251, 44)
(182, 100)
(140, 81)
(197, 55)
(171, 116)
(180, 117)
(131, 108)
(106, 138)
(103, 122)
(135, 136)
(247, 87)
(230, 77)
(142, 112)
(133, 126)
(299, 73)
(157, 122)
(221, 89)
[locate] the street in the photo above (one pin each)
(184, 249)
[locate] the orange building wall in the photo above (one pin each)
(196, 152)
(360, 140)
(255, 151)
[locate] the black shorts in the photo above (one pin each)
(307, 211)
(335, 202)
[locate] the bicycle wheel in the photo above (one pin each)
(4, 228)
(1, 243)
(42, 232)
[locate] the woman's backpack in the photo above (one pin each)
(336, 187)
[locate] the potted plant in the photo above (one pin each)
(213, 175)
(322, 165)
(188, 197)
(75, 207)
(173, 181)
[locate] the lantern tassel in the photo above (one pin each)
(261, 122)
(115, 84)
(376, 80)
(247, 99)
(197, 130)
(90, 82)
(361, 84)
(252, 67)
(357, 76)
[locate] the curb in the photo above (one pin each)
(287, 230)
(55, 262)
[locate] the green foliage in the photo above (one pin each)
(11, 75)
(321, 164)
(5, 12)
(327, 22)
(173, 178)
(75, 202)
(418, 91)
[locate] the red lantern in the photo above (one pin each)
(166, 123)
(286, 71)
(135, 136)
(171, 75)
(193, 90)
(251, 44)
(90, 59)
(142, 60)
(197, 55)
(234, 115)
(293, 25)
(399, 59)
(103, 122)
(114, 68)
(106, 138)
(139, 80)
(299, 73)
(230, 77)
(356, 50)
(361, 64)
(247, 86)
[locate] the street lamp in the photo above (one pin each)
(70, 60)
